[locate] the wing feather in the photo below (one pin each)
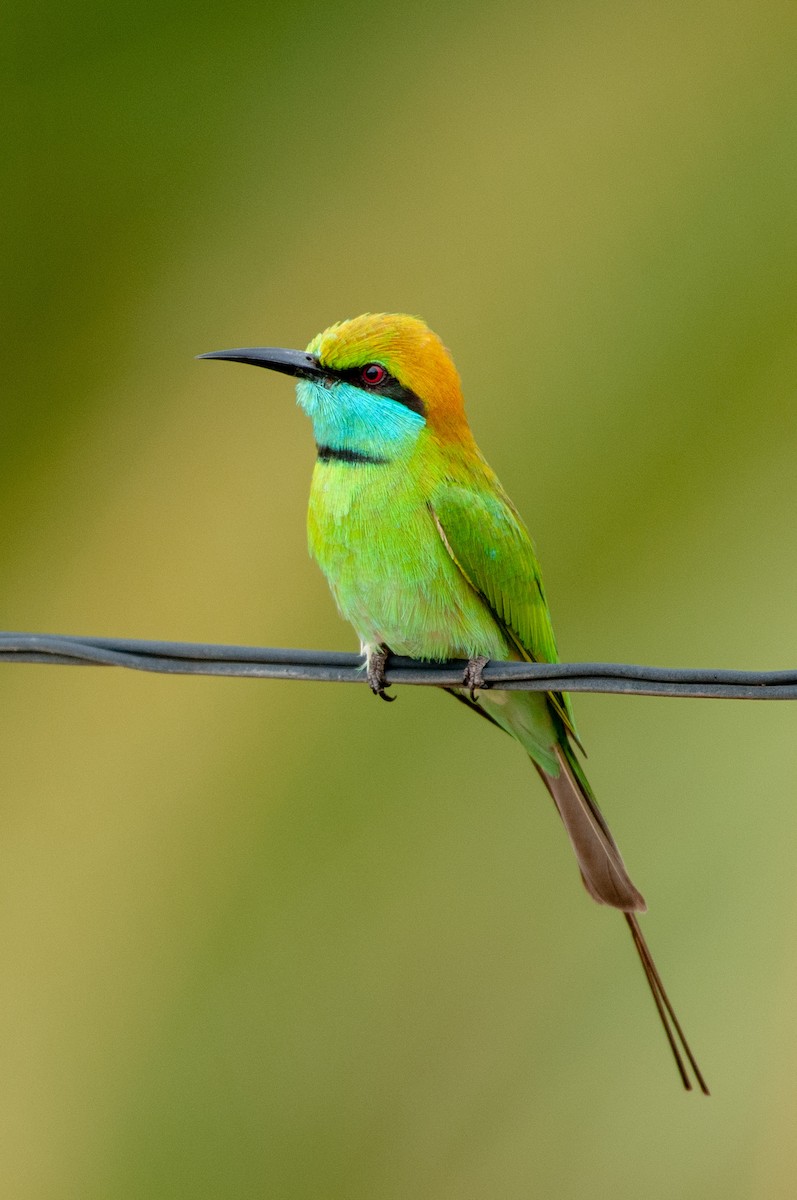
(492, 549)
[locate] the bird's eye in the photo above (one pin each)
(373, 374)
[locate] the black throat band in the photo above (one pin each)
(336, 454)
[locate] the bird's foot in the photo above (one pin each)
(473, 675)
(375, 671)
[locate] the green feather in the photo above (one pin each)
(489, 543)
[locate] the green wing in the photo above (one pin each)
(490, 545)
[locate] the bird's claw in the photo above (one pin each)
(473, 675)
(375, 672)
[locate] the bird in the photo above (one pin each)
(426, 556)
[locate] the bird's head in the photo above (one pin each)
(371, 383)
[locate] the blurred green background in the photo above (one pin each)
(279, 940)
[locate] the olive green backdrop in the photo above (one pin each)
(279, 940)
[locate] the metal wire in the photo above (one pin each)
(186, 658)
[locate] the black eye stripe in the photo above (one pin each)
(388, 386)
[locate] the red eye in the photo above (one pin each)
(373, 374)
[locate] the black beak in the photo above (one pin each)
(289, 362)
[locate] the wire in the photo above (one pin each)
(186, 658)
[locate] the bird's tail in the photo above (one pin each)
(669, 1020)
(601, 865)
(607, 881)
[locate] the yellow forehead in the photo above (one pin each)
(403, 344)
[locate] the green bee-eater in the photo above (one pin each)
(426, 556)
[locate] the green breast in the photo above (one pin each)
(372, 533)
